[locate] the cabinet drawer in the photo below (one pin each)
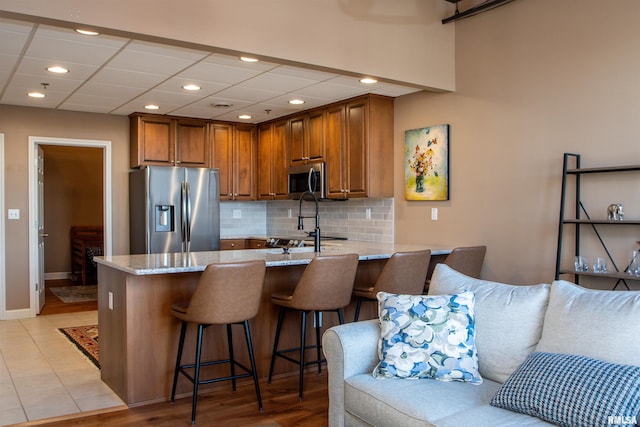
(231, 244)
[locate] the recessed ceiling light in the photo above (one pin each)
(151, 107)
(191, 87)
(36, 94)
(57, 69)
(248, 59)
(296, 102)
(368, 81)
(244, 116)
(86, 32)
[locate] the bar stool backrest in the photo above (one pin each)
(467, 260)
(404, 273)
(326, 283)
(227, 293)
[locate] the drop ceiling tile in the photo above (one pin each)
(104, 103)
(214, 73)
(350, 81)
(309, 101)
(166, 50)
(394, 90)
(55, 33)
(15, 26)
(99, 89)
(159, 97)
(276, 82)
(12, 42)
(247, 94)
(127, 78)
(331, 91)
(91, 107)
(17, 95)
(70, 51)
(7, 62)
(145, 62)
(318, 76)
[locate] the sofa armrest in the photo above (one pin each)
(350, 349)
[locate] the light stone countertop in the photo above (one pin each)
(197, 261)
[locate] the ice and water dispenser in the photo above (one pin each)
(164, 218)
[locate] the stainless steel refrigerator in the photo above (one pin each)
(173, 209)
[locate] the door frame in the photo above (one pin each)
(34, 142)
(3, 236)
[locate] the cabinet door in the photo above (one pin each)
(315, 136)
(334, 152)
(244, 162)
(297, 150)
(356, 139)
(152, 141)
(192, 148)
(272, 161)
(221, 146)
(265, 136)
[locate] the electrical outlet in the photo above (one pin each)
(13, 214)
(290, 213)
(367, 213)
(434, 214)
(237, 214)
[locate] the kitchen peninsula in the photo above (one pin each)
(138, 334)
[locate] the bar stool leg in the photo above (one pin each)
(231, 357)
(303, 328)
(247, 334)
(318, 315)
(358, 304)
(341, 316)
(183, 331)
(196, 377)
(275, 343)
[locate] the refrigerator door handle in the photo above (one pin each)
(183, 215)
(188, 217)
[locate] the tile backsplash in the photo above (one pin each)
(369, 220)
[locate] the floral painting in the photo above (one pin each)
(426, 152)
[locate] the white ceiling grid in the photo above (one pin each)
(115, 75)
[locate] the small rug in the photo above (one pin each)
(77, 293)
(86, 339)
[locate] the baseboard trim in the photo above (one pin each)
(22, 313)
(57, 275)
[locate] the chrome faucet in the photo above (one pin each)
(316, 232)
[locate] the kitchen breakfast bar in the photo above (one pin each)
(139, 336)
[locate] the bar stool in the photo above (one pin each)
(404, 273)
(467, 260)
(226, 294)
(325, 285)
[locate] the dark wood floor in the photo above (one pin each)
(54, 305)
(225, 408)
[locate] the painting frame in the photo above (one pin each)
(426, 166)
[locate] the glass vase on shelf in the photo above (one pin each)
(634, 266)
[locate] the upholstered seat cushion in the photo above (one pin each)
(393, 402)
(508, 319)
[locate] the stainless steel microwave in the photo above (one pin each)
(307, 178)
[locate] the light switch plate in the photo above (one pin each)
(13, 214)
(434, 214)
(237, 214)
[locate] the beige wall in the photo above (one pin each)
(73, 183)
(364, 37)
(18, 124)
(535, 79)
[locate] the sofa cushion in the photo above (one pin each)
(508, 318)
(598, 324)
(571, 390)
(427, 337)
(406, 403)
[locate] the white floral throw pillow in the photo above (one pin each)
(427, 336)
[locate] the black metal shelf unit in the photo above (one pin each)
(578, 220)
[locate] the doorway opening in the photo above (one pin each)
(68, 206)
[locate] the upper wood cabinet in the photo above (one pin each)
(359, 148)
(233, 152)
(168, 141)
(306, 143)
(272, 160)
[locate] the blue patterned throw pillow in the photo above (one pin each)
(427, 337)
(575, 391)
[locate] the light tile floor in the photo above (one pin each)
(43, 375)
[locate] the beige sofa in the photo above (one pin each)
(511, 323)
